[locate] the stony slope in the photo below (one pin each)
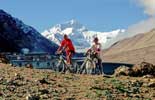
(23, 83)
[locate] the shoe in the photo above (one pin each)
(103, 74)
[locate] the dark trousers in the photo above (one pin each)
(99, 64)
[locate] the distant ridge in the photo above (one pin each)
(15, 35)
(133, 50)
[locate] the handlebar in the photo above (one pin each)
(58, 53)
(89, 52)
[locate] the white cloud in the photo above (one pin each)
(140, 27)
(149, 6)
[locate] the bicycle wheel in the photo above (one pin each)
(53, 64)
(75, 67)
(82, 68)
(89, 67)
(57, 65)
(61, 67)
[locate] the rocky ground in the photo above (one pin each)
(35, 84)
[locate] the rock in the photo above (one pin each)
(56, 98)
(18, 77)
(1, 80)
(45, 96)
(3, 59)
(14, 82)
(11, 88)
(69, 99)
(137, 83)
(136, 96)
(126, 94)
(148, 76)
(20, 95)
(32, 97)
(29, 66)
(44, 91)
(143, 69)
(44, 81)
(152, 94)
(146, 91)
(122, 70)
(64, 90)
(151, 84)
(1, 94)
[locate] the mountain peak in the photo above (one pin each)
(72, 26)
(78, 33)
(1, 11)
(73, 21)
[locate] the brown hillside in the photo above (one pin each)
(133, 50)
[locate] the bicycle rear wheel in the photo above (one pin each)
(82, 68)
(75, 67)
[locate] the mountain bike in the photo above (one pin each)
(90, 64)
(62, 66)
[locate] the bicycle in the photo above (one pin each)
(90, 66)
(62, 66)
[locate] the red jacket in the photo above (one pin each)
(67, 43)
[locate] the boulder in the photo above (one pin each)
(3, 59)
(137, 70)
(123, 70)
(143, 68)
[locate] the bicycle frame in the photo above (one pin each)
(89, 65)
(62, 66)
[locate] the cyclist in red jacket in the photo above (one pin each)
(67, 45)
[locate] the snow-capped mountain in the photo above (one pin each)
(15, 36)
(82, 38)
(102, 36)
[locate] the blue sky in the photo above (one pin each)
(97, 15)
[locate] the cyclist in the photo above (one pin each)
(96, 48)
(67, 45)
